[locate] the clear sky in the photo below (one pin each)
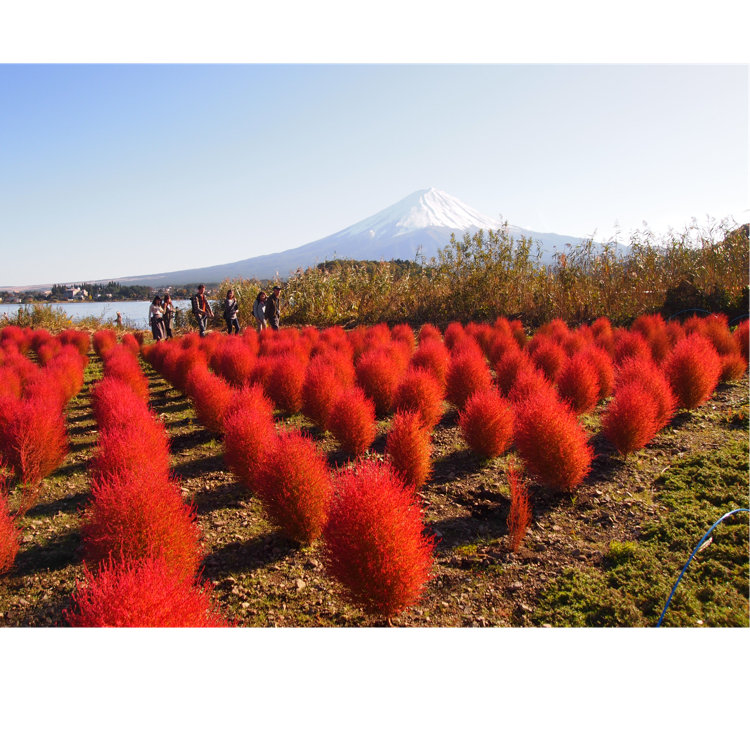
(113, 170)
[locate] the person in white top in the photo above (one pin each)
(156, 318)
(259, 311)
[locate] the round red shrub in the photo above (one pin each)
(578, 383)
(654, 329)
(405, 334)
(631, 418)
(10, 382)
(654, 381)
(408, 448)
(248, 435)
(467, 374)
(375, 541)
(294, 487)
(530, 381)
(742, 337)
(549, 357)
(114, 402)
(433, 356)
(284, 384)
(605, 370)
(429, 332)
(733, 367)
(508, 367)
(352, 421)
(454, 333)
(551, 442)
(486, 423)
(33, 440)
(141, 594)
(250, 397)
(319, 391)
(8, 535)
(235, 360)
(211, 396)
(104, 340)
(693, 369)
(139, 445)
(138, 515)
(421, 393)
(630, 344)
(378, 375)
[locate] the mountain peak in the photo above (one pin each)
(423, 209)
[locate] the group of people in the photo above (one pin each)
(161, 315)
(266, 310)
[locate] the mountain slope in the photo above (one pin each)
(425, 219)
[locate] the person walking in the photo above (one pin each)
(273, 308)
(230, 313)
(201, 309)
(168, 308)
(156, 318)
(259, 311)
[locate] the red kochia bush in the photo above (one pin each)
(139, 445)
(250, 397)
(742, 337)
(139, 515)
(249, 433)
(33, 441)
(121, 363)
(295, 487)
(319, 391)
(284, 384)
(419, 392)
(10, 382)
(605, 370)
(551, 442)
(114, 402)
(733, 367)
(81, 340)
(549, 357)
(235, 360)
(8, 534)
(352, 421)
(487, 423)
(693, 369)
(211, 396)
(104, 340)
(519, 515)
(433, 356)
(375, 542)
(654, 382)
(507, 368)
(578, 383)
(631, 418)
(408, 447)
(142, 594)
(378, 375)
(467, 373)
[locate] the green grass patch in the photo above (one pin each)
(632, 586)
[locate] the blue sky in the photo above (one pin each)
(110, 170)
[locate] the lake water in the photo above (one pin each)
(134, 313)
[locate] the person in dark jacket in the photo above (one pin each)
(168, 307)
(230, 312)
(201, 309)
(273, 308)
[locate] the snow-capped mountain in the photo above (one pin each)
(423, 220)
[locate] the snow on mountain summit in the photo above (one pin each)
(421, 210)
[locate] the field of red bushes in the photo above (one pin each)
(370, 476)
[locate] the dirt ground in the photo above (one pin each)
(263, 580)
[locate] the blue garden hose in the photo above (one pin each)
(689, 309)
(697, 547)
